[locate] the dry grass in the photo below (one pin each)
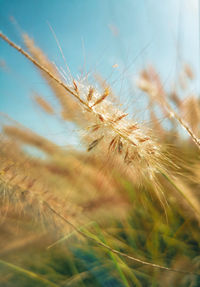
(128, 172)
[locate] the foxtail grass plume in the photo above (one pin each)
(107, 124)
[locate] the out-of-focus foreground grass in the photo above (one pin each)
(134, 190)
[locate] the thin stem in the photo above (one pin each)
(72, 92)
(28, 273)
(56, 79)
(174, 115)
(41, 67)
(114, 250)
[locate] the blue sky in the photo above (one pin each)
(94, 35)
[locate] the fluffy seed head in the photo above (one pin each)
(109, 131)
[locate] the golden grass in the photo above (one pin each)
(71, 186)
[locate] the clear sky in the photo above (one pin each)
(94, 35)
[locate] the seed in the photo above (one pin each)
(94, 143)
(120, 145)
(90, 94)
(106, 93)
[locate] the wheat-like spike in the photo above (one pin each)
(154, 88)
(43, 104)
(56, 174)
(190, 112)
(28, 137)
(27, 195)
(181, 121)
(141, 147)
(24, 185)
(49, 203)
(128, 139)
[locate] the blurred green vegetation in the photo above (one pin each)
(169, 238)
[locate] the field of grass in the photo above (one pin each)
(123, 209)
